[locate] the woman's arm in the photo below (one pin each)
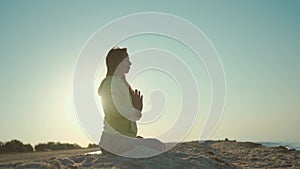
(125, 103)
(124, 107)
(115, 92)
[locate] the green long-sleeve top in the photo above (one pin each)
(120, 115)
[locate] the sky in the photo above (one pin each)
(257, 43)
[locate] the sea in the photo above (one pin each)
(289, 145)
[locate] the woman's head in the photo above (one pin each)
(117, 61)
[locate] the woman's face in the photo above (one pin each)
(124, 66)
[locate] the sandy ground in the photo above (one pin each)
(39, 156)
(210, 154)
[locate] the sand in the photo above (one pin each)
(210, 154)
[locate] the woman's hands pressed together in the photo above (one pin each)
(137, 100)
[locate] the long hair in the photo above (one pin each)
(114, 57)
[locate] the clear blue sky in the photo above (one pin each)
(257, 41)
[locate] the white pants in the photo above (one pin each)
(131, 147)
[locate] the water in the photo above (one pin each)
(93, 152)
(290, 145)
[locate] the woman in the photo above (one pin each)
(122, 108)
